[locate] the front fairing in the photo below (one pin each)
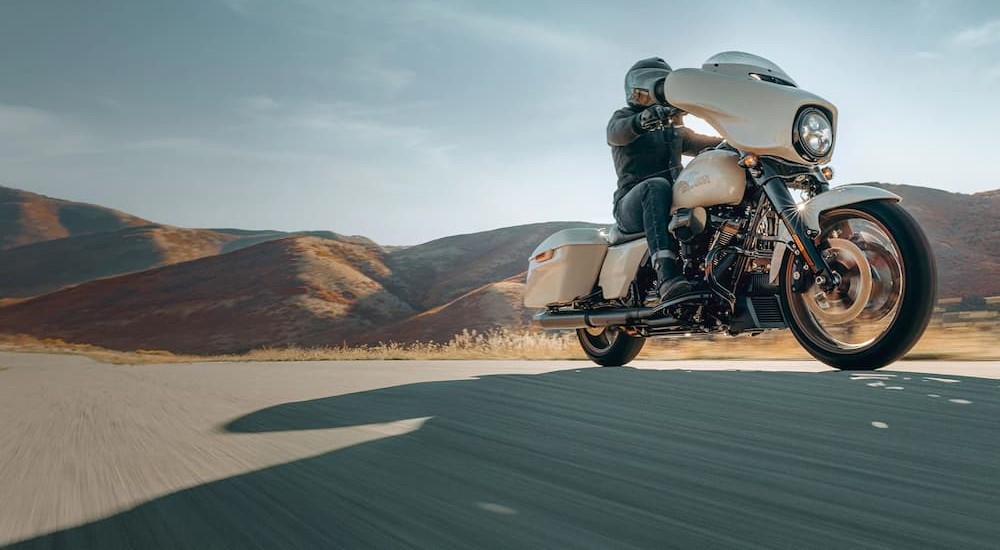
(751, 114)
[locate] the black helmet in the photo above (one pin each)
(640, 81)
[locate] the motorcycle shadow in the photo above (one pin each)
(599, 458)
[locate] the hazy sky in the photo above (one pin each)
(406, 121)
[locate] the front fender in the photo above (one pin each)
(810, 211)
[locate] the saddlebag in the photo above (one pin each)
(565, 266)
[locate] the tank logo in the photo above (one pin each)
(682, 186)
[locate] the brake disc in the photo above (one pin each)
(845, 302)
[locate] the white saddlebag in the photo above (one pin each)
(565, 266)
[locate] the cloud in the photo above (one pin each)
(531, 34)
(373, 73)
(975, 37)
(929, 8)
(241, 7)
(340, 126)
(928, 55)
(198, 147)
(28, 134)
(369, 74)
(256, 105)
(414, 19)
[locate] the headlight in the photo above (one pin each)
(814, 133)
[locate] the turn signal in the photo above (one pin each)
(544, 256)
(827, 172)
(749, 160)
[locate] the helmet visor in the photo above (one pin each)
(641, 83)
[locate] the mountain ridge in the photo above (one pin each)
(228, 290)
(27, 218)
(291, 291)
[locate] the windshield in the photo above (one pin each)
(744, 64)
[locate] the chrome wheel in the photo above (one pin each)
(601, 338)
(844, 303)
(859, 310)
(609, 346)
(885, 296)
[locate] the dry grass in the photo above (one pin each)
(21, 343)
(496, 344)
(940, 342)
(967, 342)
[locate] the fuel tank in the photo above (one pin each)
(711, 178)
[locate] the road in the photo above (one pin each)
(497, 455)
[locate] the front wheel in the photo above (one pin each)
(886, 296)
(609, 346)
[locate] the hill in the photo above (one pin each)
(296, 290)
(964, 231)
(27, 218)
(227, 290)
(439, 271)
(491, 306)
(45, 266)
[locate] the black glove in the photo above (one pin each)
(655, 116)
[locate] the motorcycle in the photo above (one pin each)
(847, 269)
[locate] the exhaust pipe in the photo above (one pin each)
(607, 317)
(590, 319)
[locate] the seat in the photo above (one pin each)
(617, 236)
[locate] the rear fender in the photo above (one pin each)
(811, 210)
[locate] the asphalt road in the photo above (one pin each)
(497, 455)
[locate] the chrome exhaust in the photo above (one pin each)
(589, 319)
(607, 317)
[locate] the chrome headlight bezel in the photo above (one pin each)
(800, 140)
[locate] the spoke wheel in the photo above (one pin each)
(884, 299)
(609, 346)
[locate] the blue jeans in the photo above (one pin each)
(646, 207)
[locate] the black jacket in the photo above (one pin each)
(639, 155)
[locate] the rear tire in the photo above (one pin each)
(914, 298)
(609, 347)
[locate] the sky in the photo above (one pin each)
(412, 120)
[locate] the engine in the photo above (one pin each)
(700, 231)
(727, 247)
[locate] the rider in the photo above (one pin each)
(647, 140)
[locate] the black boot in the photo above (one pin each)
(671, 282)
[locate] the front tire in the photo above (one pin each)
(886, 300)
(609, 346)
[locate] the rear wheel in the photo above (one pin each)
(609, 346)
(886, 296)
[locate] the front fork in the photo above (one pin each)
(803, 238)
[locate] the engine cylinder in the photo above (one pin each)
(727, 232)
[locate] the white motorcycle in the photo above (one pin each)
(848, 270)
